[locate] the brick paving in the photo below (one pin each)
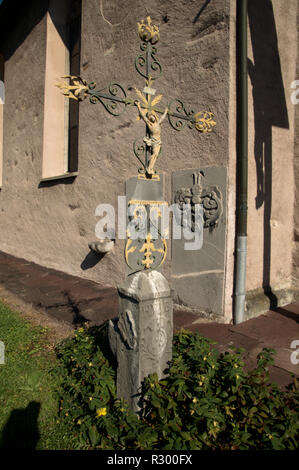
(74, 300)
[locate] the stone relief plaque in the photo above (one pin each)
(198, 275)
(145, 247)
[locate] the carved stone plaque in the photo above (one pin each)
(145, 245)
(198, 275)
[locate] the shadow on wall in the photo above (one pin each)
(206, 3)
(91, 260)
(24, 20)
(21, 429)
(270, 109)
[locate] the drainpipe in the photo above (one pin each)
(241, 229)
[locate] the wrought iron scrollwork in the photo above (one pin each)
(178, 116)
(114, 101)
(140, 153)
(147, 64)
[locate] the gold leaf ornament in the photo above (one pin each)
(204, 121)
(142, 97)
(147, 103)
(76, 90)
(156, 100)
(148, 32)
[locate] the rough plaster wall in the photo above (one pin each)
(281, 147)
(53, 225)
(296, 175)
(282, 159)
(231, 187)
(22, 213)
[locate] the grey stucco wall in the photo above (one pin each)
(296, 176)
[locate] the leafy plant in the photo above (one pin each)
(206, 400)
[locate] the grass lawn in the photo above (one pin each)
(28, 407)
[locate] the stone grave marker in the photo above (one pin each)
(141, 337)
(198, 275)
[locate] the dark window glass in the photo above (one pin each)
(74, 50)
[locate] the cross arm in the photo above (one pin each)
(115, 100)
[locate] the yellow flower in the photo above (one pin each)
(228, 412)
(81, 330)
(191, 412)
(90, 364)
(202, 378)
(194, 400)
(101, 412)
(79, 422)
(215, 423)
(236, 366)
(270, 436)
(205, 358)
(90, 398)
(213, 367)
(237, 376)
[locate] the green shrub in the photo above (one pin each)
(207, 400)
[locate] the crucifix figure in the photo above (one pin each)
(154, 128)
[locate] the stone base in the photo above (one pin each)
(141, 337)
(260, 301)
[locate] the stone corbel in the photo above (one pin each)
(102, 246)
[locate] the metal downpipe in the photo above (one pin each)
(241, 230)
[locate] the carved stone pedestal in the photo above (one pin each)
(141, 337)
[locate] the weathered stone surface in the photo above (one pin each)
(295, 273)
(198, 275)
(102, 246)
(141, 337)
(259, 301)
(139, 189)
(147, 192)
(271, 120)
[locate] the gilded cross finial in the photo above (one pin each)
(148, 32)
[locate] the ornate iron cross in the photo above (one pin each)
(115, 100)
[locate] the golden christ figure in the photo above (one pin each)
(154, 141)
